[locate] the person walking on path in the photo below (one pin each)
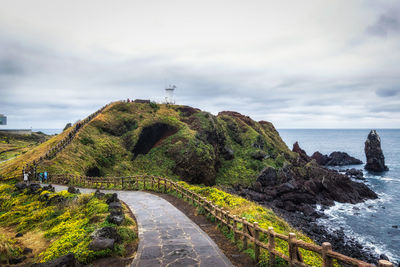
(45, 176)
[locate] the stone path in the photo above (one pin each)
(166, 236)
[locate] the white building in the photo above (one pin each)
(3, 120)
(169, 99)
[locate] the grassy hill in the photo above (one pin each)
(171, 140)
(12, 145)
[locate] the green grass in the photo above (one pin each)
(255, 213)
(67, 225)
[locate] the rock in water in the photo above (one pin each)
(354, 173)
(335, 159)
(341, 159)
(320, 158)
(374, 154)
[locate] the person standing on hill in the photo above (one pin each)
(26, 177)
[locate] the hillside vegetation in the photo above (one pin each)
(170, 140)
(12, 145)
(53, 224)
(184, 143)
(13, 167)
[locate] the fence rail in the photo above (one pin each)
(242, 229)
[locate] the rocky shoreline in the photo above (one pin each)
(307, 223)
(340, 242)
(295, 190)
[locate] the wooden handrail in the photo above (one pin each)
(249, 232)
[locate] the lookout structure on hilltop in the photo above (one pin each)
(169, 91)
(3, 120)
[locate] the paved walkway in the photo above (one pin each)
(166, 236)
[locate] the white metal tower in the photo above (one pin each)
(169, 99)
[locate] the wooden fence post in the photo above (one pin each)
(165, 185)
(292, 249)
(271, 246)
(256, 246)
(326, 260)
(244, 232)
(383, 263)
(234, 228)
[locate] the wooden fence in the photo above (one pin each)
(247, 232)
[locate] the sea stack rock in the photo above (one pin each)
(303, 155)
(374, 154)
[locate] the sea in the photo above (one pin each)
(374, 223)
(48, 131)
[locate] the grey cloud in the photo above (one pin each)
(385, 25)
(10, 67)
(388, 92)
(391, 108)
(42, 86)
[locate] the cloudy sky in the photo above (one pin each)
(298, 64)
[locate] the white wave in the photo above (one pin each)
(336, 220)
(380, 178)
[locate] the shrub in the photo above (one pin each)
(86, 141)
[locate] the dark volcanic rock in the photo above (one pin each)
(34, 188)
(342, 158)
(116, 219)
(354, 173)
(112, 198)
(49, 188)
(228, 153)
(307, 185)
(335, 159)
(303, 155)
(115, 208)
(101, 243)
(321, 159)
(259, 155)
(68, 260)
(99, 194)
(20, 186)
(268, 177)
(106, 232)
(17, 260)
(306, 221)
(187, 111)
(27, 250)
(374, 154)
(57, 199)
(73, 190)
